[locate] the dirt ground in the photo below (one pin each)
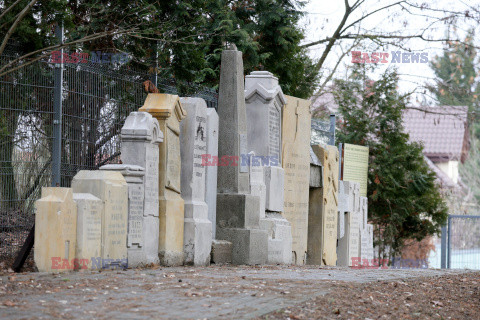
(241, 292)
(445, 297)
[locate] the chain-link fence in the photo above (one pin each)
(95, 98)
(463, 242)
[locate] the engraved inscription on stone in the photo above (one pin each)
(200, 146)
(135, 219)
(151, 180)
(274, 131)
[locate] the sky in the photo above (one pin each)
(323, 16)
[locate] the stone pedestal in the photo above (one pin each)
(221, 252)
(211, 171)
(112, 189)
(237, 210)
(193, 139)
(55, 231)
(169, 113)
(323, 211)
(89, 228)
(296, 163)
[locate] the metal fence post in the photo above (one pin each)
(443, 257)
(57, 114)
(332, 130)
(449, 251)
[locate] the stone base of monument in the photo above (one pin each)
(249, 246)
(236, 210)
(221, 252)
(274, 182)
(279, 233)
(197, 234)
(140, 257)
(238, 220)
(171, 219)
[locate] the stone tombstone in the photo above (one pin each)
(237, 209)
(136, 236)
(364, 211)
(369, 249)
(193, 141)
(89, 228)
(323, 211)
(264, 101)
(169, 112)
(257, 183)
(277, 227)
(211, 171)
(112, 189)
(296, 163)
(342, 209)
(141, 136)
(349, 246)
(55, 230)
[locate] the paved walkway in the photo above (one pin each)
(217, 292)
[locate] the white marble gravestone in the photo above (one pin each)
(197, 239)
(349, 246)
(211, 171)
(264, 101)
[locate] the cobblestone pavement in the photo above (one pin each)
(216, 292)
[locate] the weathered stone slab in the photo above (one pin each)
(323, 211)
(112, 189)
(193, 140)
(55, 231)
(349, 245)
(237, 209)
(211, 171)
(257, 184)
(275, 183)
(279, 232)
(369, 254)
(249, 246)
(342, 209)
(168, 110)
(364, 211)
(296, 163)
(134, 175)
(221, 252)
(89, 228)
(264, 103)
(316, 171)
(141, 136)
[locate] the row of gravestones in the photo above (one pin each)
(189, 176)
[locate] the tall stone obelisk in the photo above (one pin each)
(237, 210)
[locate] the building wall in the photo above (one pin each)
(450, 168)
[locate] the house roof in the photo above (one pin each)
(442, 130)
